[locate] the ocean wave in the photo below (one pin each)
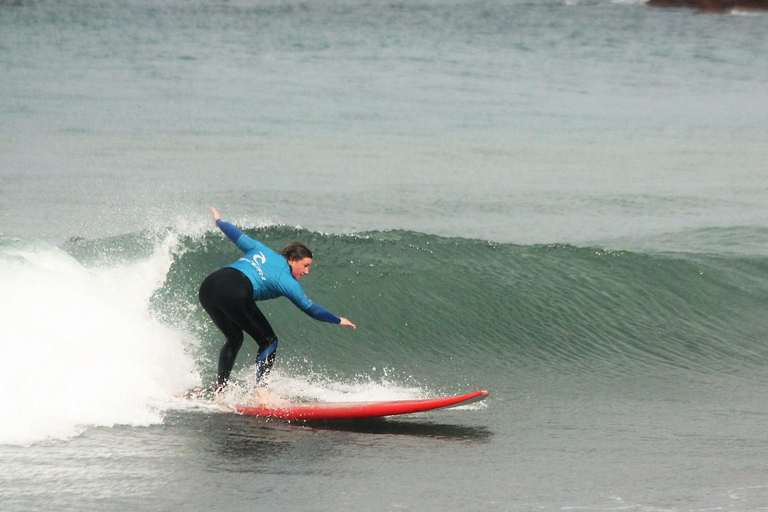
(108, 331)
(453, 305)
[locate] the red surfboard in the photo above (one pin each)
(353, 410)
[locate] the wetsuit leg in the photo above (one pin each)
(256, 325)
(227, 297)
(265, 360)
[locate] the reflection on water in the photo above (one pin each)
(247, 444)
(406, 428)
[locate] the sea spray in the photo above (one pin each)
(80, 347)
(295, 384)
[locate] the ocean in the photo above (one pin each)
(562, 202)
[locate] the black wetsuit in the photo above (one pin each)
(227, 296)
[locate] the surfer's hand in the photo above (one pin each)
(215, 213)
(347, 323)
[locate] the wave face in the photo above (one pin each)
(455, 309)
(108, 331)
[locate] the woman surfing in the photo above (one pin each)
(229, 296)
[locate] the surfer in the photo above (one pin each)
(229, 296)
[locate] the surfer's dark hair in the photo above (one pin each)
(296, 251)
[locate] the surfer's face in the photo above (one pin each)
(300, 268)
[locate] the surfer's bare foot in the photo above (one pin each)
(218, 393)
(264, 397)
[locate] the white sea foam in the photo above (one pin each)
(79, 345)
(324, 389)
(299, 385)
(293, 382)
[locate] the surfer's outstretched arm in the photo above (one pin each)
(322, 314)
(228, 228)
(240, 239)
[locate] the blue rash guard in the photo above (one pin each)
(270, 274)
